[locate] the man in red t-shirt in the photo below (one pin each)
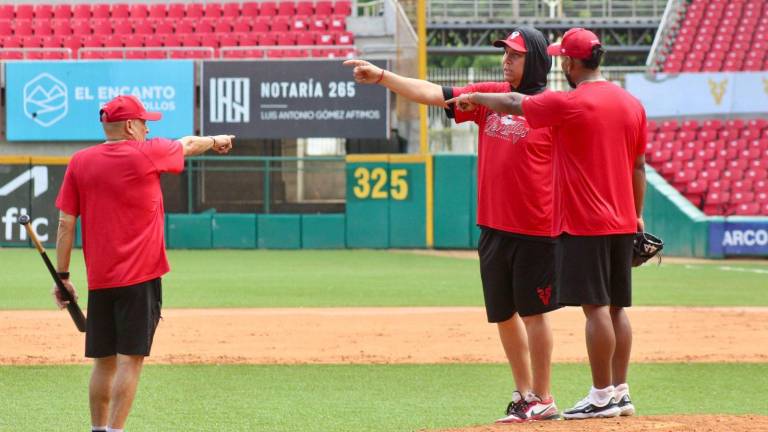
(514, 211)
(599, 144)
(114, 188)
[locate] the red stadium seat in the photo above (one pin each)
(243, 25)
(103, 27)
(133, 41)
(286, 8)
(212, 10)
(342, 8)
(164, 27)
(185, 26)
(324, 8)
(119, 11)
(176, 11)
(23, 27)
(194, 10)
(143, 27)
(138, 11)
(227, 39)
(231, 10)
(158, 11)
(62, 11)
(261, 24)
(250, 9)
(43, 28)
(304, 7)
(25, 12)
(98, 11)
(6, 12)
(268, 8)
(280, 24)
(6, 29)
(747, 209)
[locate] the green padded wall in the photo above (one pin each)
(234, 231)
(407, 201)
(279, 231)
(454, 196)
(367, 208)
(669, 215)
(323, 231)
(189, 231)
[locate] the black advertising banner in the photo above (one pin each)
(291, 99)
(29, 189)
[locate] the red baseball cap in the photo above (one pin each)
(514, 41)
(126, 107)
(577, 43)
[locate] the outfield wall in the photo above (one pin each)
(392, 201)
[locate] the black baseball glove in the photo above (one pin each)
(646, 246)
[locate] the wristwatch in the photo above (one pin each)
(63, 275)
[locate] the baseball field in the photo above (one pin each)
(380, 341)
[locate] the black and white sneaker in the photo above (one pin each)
(587, 409)
(625, 405)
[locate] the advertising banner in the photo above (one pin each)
(733, 238)
(291, 99)
(28, 186)
(60, 101)
(701, 93)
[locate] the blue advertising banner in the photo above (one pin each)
(733, 238)
(60, 101)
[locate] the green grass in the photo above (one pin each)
(261, 278)
(355, 398)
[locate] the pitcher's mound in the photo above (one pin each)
(680, 423)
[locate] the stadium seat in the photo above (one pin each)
(212, 10)
(120, 11)
(231, 10)
(268, 8)
(286, 8)
(176, 11)
(25, 12)
(194, 10)
(98, 11)
(158, 11)
(250, 9)
(62, 11)
(7, 12)
(304, 7)
(138, 11)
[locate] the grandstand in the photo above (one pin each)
(283, 29)
(713, 36)
(719, 163)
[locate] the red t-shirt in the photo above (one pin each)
(115, 189)
(599, 131)
(514, 168)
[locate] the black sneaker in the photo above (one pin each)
(586, 409)
(625, 405)
(516, 410)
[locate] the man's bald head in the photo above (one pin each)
(135, 130)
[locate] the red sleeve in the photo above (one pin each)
(546, 109)
(479, 113)
(167, 155)
(642, 140)
(68, 199)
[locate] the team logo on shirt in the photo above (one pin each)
(506, 127)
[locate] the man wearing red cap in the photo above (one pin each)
(114, 188)
(514, 211)
(599, 144)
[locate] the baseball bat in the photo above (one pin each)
(72, 307)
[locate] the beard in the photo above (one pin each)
(570, 81)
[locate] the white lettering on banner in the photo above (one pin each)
(321, 115)
(746, 238)
(11, 219)
(145, 93)
(291, 89)
(230, 100)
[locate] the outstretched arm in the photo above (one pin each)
(507, 103)
(196, 145)
(416, 90)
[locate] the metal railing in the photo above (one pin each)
(260, 184)
(501, 10)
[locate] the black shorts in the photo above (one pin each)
(594, 270)
(123, 320)
(517, 273)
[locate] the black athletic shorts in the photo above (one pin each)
(517, 273)
(594, 270)
(123, 320)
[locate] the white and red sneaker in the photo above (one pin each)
(539, 409)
